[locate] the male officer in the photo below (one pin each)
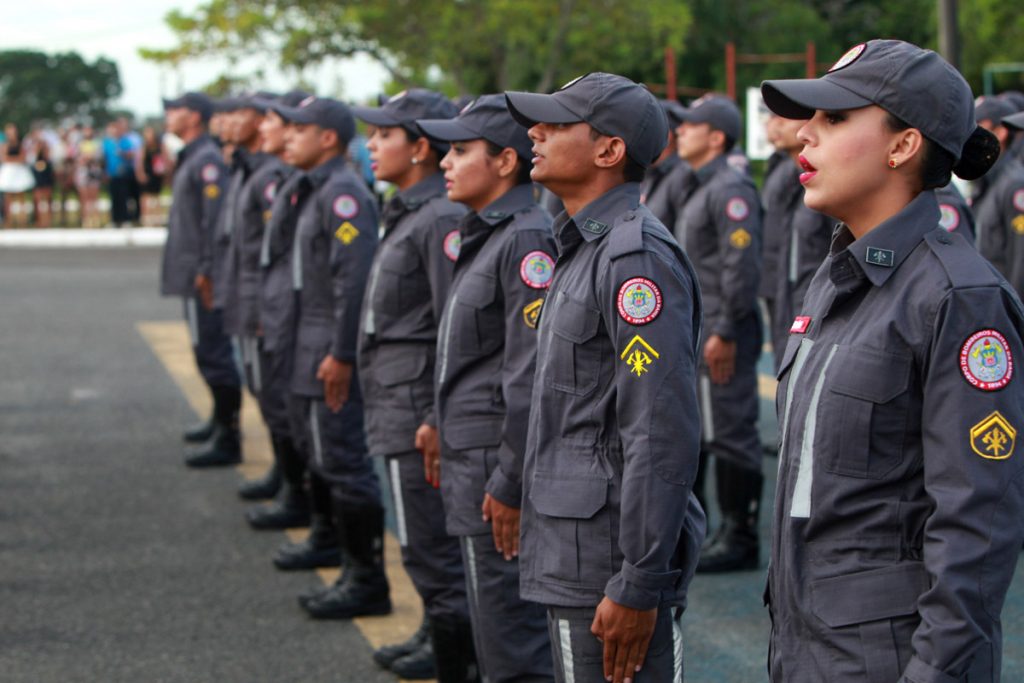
(720, 229)
(998, 197)
(665, 183)
(335, 237)
(610, 528)
(199, 184)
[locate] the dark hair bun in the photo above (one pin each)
(979, 153)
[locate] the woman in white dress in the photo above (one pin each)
(15, 177)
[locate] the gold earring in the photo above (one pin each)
(893, 163)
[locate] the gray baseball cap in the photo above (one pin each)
(405, 108)
(1015, 98)
(321, 111)
(992, 108)
(718, 111)
(194, 101)
(487, 118)
(1014, 121)
(612, 105)
(267, 101)
(917, 86)
(674, 111)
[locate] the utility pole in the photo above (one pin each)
(949, 32)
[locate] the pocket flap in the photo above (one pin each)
(574, 497)
(870, 374)
(472, 432)
(477, 290)
(401, 368)
(574, 321)
(870, 595)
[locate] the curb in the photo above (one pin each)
(60, 238)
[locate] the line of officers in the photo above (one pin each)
(412, 331)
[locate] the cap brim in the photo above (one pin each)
(447, 130)
(261, 104)
(1015, 121)
(293, 114)
(529, 109)
(799, 98)
(173, 104)
(375, 117)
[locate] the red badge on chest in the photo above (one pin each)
(800, 324)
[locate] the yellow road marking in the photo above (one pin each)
(171, 345)
(766, 386)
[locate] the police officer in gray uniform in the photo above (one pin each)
(898, 518)
(720, 228)
(405, 298)
(484, 376)
(197, 192)
(667, 181)
(335, 237)
(998, 198)
(610, 529)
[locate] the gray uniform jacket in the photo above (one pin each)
(242, 276)
(956, 212)
(998, 206)
(720, 230)
(335, 238)
(900, 502)
(277, 289)
(486, 352)
(664, 187)
(613, 440)
(405, 298)
(197, 191)
(223, 268)
(777, 198)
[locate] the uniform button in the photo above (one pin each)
(944, 239)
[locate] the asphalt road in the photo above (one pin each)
(119, 564)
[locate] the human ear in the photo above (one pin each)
(906, 145)
(609, 152)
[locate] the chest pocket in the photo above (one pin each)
(865, 411)
(575, 363)
(480, 321)
(398, 280)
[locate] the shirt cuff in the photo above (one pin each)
(639, 589)
(505, 490)
(919, 672)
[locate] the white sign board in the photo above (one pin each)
(757, 146)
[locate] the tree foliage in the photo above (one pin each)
(35, 86)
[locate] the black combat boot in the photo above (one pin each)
(264, 488)
(199, 432)
(291, 507)
(225, 444)
(417, 651)
(454, 651)
(321, 547)
(362, 590)
(736, 545)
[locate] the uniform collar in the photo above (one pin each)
(711, 168)
(512, 202)
(880, 252)
(595, 219)
(422, 192)
(318, 176)
(203, 139)
(665, 167)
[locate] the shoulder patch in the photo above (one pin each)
(994, 437)
(986, 360)
(736, 208)
(211, 191)
(210, 173)
(1018, 224)
(639, 301)
(346, 233)
(270, 190)
(531, 313)
(639, 356)
(452, 245)
(950, 218)
(740, 238)
(536, 270)
(1018, 200)
(345, 206)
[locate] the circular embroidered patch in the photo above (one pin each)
(639, 301)
(452, 244)
(986, 361)
(537, 269)
(269, 191)
(950, 217)
(1018, 200)
(737, 209)
(210, 173)
(849, 58)
(346, 206)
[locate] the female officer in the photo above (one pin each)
(899, 510)
(486, 354)
(405, 297)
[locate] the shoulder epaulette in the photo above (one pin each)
(963, 265)
(627, 235)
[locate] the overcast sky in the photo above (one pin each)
(116, 29)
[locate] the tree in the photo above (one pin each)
(35, 86)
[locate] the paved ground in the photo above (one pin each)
(118, 564)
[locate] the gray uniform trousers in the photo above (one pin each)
(214, 352)
(268, 374)
(729, 411)
(579, 655)
(431, 557)
(510, 634)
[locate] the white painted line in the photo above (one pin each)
(60, 238)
